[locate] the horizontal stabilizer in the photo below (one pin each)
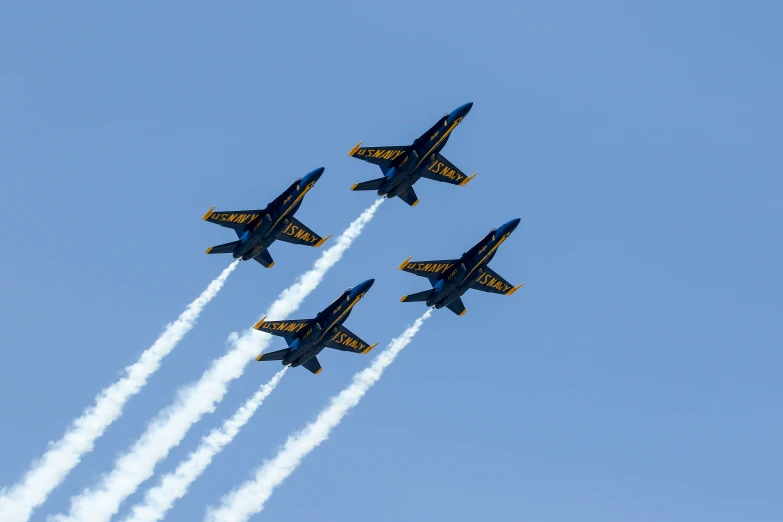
(417, 297)
(313, 365)
(279, 355)
(409, 197)
(373, 184)
(457, 307)
(265, 258)
(227, 248)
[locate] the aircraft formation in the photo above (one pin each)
(402, 167)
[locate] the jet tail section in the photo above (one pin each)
(279, 355)
(226, 248)
(373, 184)
(409, 197)
(265, 258)
(457, 307)
(417, 297)
(313, 365)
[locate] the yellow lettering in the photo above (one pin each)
(397, 154)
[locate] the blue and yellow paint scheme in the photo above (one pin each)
(403, 166)
(307, 337)
(451, 278)
(258, 229)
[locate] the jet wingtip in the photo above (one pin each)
(319, 371)
(467, 180)
(322, 241)
(515, 289)
(209, 213)
(353, 187)
(209, 250)
(462, 313)
(404, 263)
(271, 264)
(259, 323)
(369, 348)
(353, 150)
(415, 203)
(260, 357)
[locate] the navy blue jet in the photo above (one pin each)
(404, 166)
(307, 337)
(258, 229)
(451, 278)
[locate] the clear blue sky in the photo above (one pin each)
(636, 376)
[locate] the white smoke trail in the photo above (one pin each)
(249, 498)
(173, 486)
(18, 502)
(169, 427)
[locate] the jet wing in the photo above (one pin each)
(236, 219)
(443, 170)
(381, 156)
(428, 269)
(288, 329)
(297, 233)
(491, 282)
(348, 341)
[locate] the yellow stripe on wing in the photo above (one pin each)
(321, 242)
(467, 180)
(259, 324)
(209, 213)
(370, 348)
(515, 289)
(404, 263)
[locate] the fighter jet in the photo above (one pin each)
(451, 278)
(257, 229)
(307, 337)
(403, 166)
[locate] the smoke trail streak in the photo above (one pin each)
(168, 428)
(173, 486)
(250, 497)
(18, 502)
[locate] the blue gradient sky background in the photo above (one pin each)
(636, 376)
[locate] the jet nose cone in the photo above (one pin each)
(362, 288)
(460, 112)
(465, 109)
(314, 176)
(509, 227)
